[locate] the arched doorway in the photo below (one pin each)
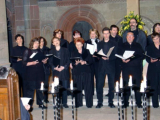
(80, 13)
(83, 27)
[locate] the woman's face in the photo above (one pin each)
(36, 45)
(157, 29)
(59, 35)
(93, 35)
(156, 40)
(19, 41)
(79, 45)
(56, 42)
(41, 42)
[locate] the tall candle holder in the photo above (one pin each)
(72, 94)
(42, 90)
(122, 102)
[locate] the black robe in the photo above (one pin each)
(64, 61)
(82, 78)
(18, 66)
(153, 73)
(134, 68)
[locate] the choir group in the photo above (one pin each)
(82, 64)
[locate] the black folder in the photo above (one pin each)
(56, 61)
(154, 58)
(73, 59)
(20, 57)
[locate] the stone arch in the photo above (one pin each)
(80, 13)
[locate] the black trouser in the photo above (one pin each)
(94, 71)
(64, 83)
(100, 85)
(136, 73)
(46, 87)
(31, 87)
(83, 81)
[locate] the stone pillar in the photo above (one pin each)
(133, 5)
(4, 58)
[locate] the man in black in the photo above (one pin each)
(106, 66)
(139, 35)
(132, 67)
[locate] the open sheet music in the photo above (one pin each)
(25, 100)
(91, 48)
(127, 55)
(101, 54)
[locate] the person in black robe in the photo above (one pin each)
(132, 67)
(34, 59)
(139, 35)
(94, 41)
(61, 71)
(116, 38)
(156, 29)
(153, 72)
(16, 62)
(45, 51)
(106, 66)
(72, 47)
(82, 73)
(59, 33)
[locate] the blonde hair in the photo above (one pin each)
(96, 32)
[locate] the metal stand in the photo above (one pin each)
(122, 102)
(72, 93)
(54, 103)
(57, 88)
(42, 102)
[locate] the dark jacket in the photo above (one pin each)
(17, 65)
(149, 40)
(107, 65)
(45, 50)
(64, 43)
(34, 72)
(117, 39)
(153, 68)
(64, 61)
(85, 56)
(138, 53)
(140, 38)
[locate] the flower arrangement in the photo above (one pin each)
(125, 23)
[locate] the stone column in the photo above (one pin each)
(133, 5)
(4, 58)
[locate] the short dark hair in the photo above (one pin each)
(56, 31)
(154, 26)
(133, 19)
(154, 35)
(114, 26)
(19, 35)
(105, 29)
(32, 42)
(76, 31)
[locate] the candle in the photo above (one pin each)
(145, 81)
(42, 86)
(121, 82)
(130, 81)
(52, 90)
(71, 85)
(117, 87)
(142, 86)
(56, 81)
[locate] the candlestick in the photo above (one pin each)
(117, 87)
(71, 85)
(121, 82)
(56, 80)
(130, 81)
(42, 86)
